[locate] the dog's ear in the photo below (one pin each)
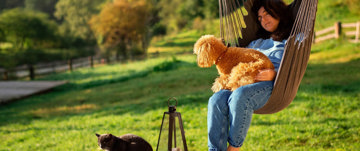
(203, 49)
(208, 48)
(98, 135)
(203, 59)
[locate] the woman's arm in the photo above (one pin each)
(265, 75)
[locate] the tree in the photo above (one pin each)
(177, 14)
(2, 35)
(47, 6)
(2, 4)
(168, 14)
(211, 9)
(28, 32)
(121, 24)
(9, 4)
(75, 15)
(25, 28)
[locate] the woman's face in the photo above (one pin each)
(268, 22)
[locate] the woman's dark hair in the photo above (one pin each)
(278, 10)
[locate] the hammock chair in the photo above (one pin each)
(238, 28)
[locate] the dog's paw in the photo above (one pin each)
(216, 87)
(220, 83)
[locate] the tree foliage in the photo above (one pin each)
(177, 14)
(75, 15)
(25, 28)
(47, 6)
(9, 4)
(122, 23)
(28, 32)
(211, 8)
(2, 35)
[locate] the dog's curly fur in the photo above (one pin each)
(236, 66)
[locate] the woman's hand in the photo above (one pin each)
(265, 75)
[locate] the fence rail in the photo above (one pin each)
(39, 69)
(52, 67)
(336, 31)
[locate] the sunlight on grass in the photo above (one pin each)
(326, 16)
(174, 45)
(59, 110)
(338, 53)
(169, 49)
(131, 98)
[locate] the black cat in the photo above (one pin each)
(127, 142)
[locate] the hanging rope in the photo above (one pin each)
(297, 49)
(231, 21)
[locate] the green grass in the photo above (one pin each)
(135, 105)
(331, 11)
(175, 44)
(131, 98)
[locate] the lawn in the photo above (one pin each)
(131, 98)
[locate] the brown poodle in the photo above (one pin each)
(236, 66)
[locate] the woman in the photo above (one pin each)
(230, 113)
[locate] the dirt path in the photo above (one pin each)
(13, 90)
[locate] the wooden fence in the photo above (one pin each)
(49, 68)
(61, 66)
(351, 30)
(40, 69)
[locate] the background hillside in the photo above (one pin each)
(34, 31)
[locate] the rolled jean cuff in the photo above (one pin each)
(236, 146)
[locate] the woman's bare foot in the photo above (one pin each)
(230, 148)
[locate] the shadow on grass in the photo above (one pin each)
(330, 78)
(260, 122)
(116, 78)
(150, 90)
(115, 96)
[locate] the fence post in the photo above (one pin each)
(314, 36)
(53, 66)
(91, 60)
(102, 60)
(357, 32)
(337, 30)
(31, 72)
(5, 75)
(70, 64)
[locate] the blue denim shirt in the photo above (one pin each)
(274, 50)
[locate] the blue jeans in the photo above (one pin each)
(230, 113)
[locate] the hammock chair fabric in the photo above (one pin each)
(238, 28)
